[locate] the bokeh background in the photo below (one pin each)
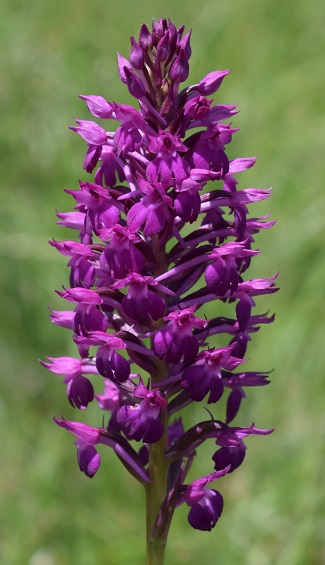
(51, 514)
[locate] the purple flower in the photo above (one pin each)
(89, 436)
(208, 149)
(158, 281)
(223, 274)
(121, 256)
(206, 504)
(176, 340)
(225, 436)
(141, 303)
(205, 513)
(153, 212)
(80, 391)
(187, 202)
(111, 399)
(205, 375)
(168, 167)
(142, 421)
(100, 209)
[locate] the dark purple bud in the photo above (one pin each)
(180, 67)
(145, 38)
(172, 33)
(185, 45)
(136, 55)
(134, 84)
(163, 49)
(158, 30)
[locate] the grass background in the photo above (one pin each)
(274, 506)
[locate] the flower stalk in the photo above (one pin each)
(165, 238)
(155, 496)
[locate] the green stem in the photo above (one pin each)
(156, 491)
(155, 494)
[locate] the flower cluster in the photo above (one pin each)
(165, 237)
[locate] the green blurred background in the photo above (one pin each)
(274, 505)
